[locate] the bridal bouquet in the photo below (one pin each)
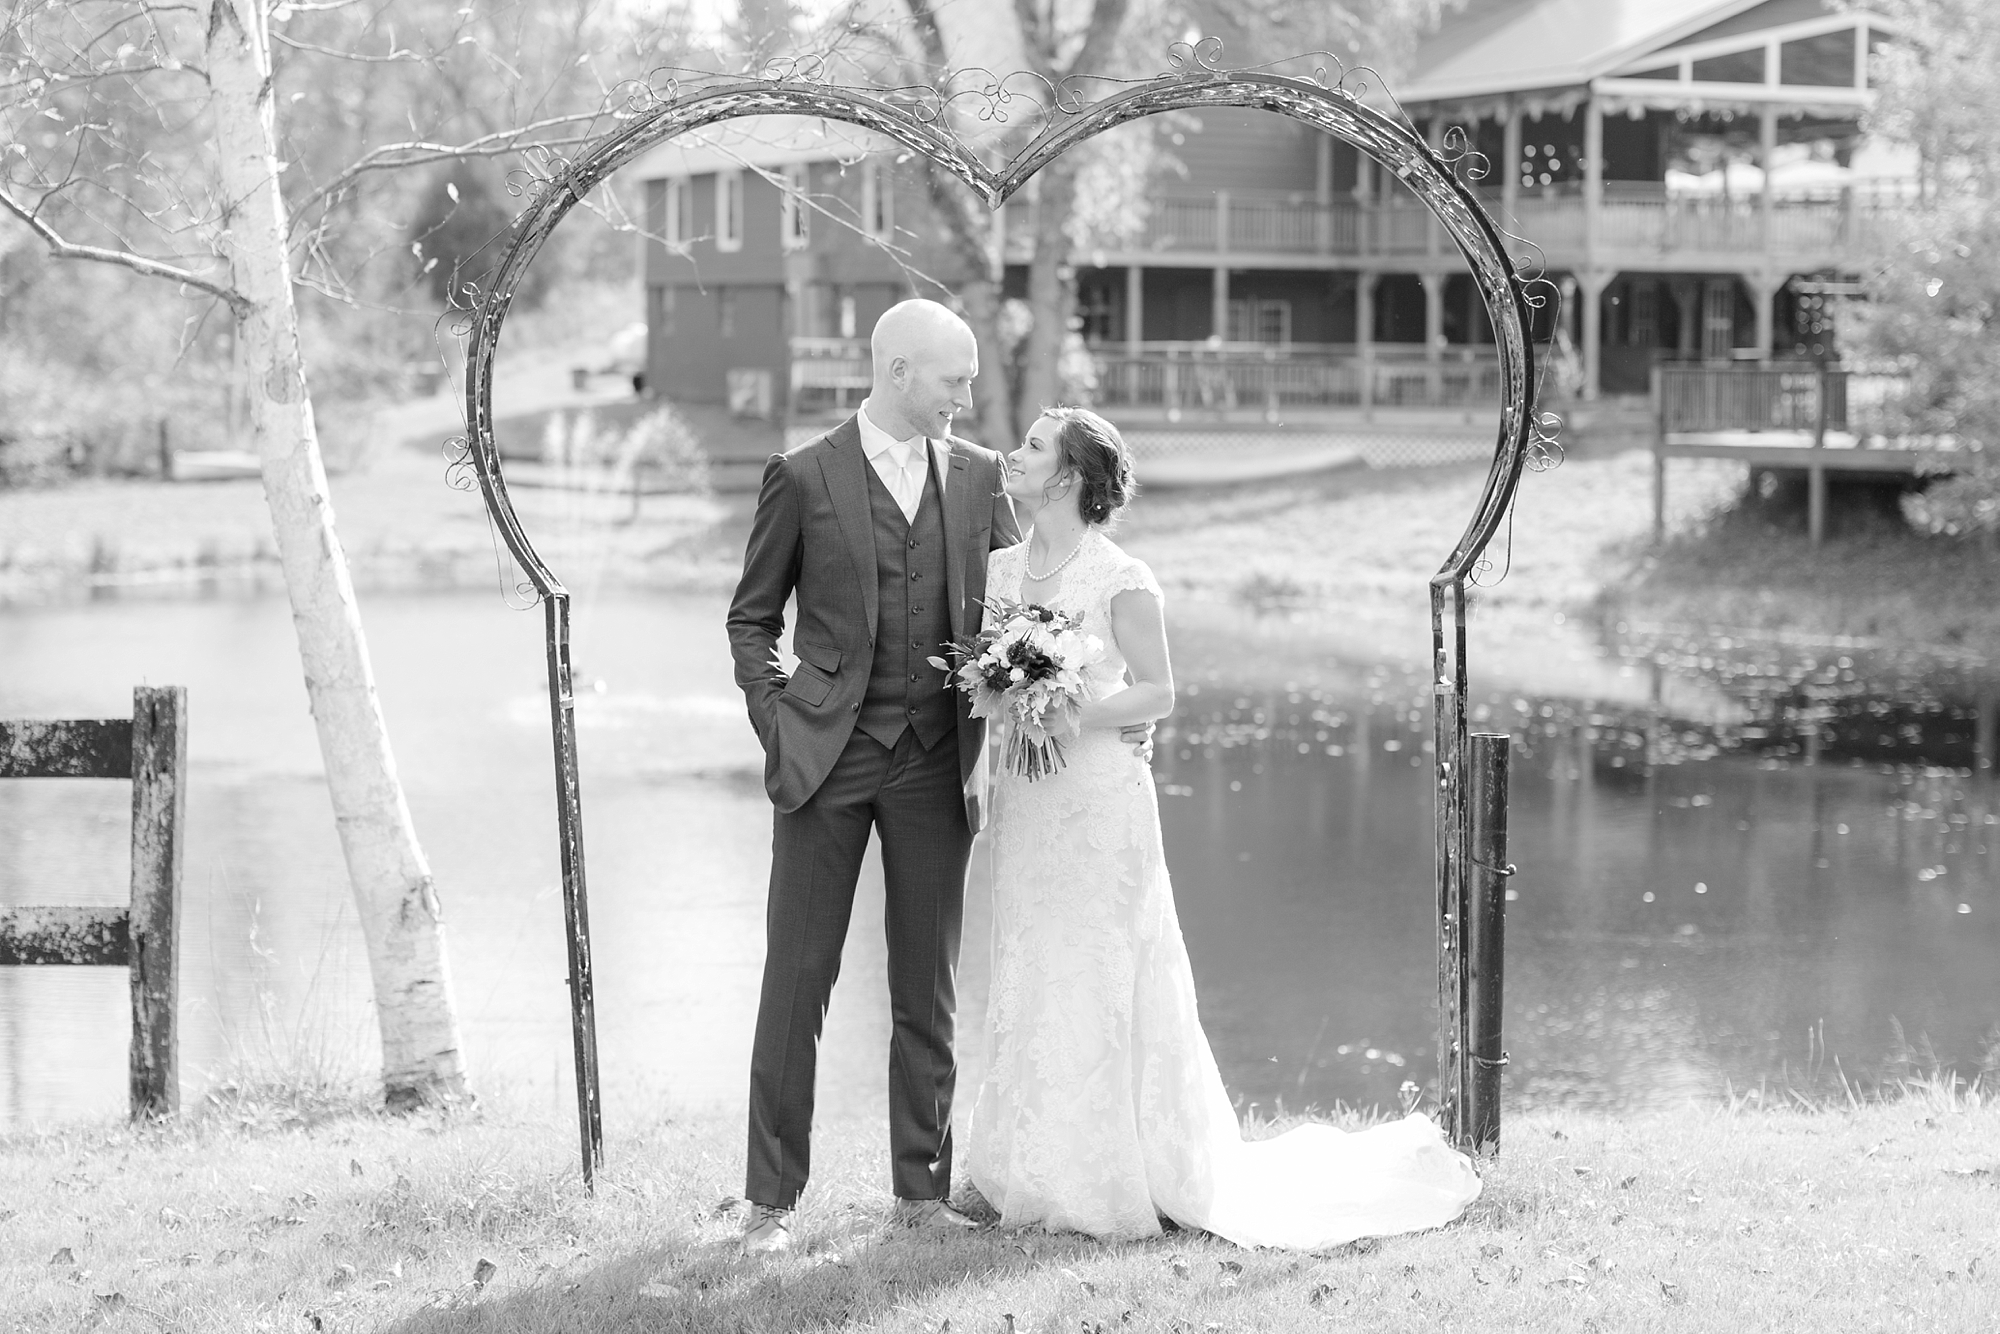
(1026, 665)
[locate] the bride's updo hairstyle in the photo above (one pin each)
(1092, 448)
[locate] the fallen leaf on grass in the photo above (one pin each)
(223, 1257)
(1320, 1293)
(63, 1256)
(1625, 1183)
(483, 1272)
(343, 1274)
(1672, 1291)
(1179, 1265)
(1089, 1288)
(110, 1301)
(1492, 1250)
(171, 1218)
(354, 1167)
(660, 1292)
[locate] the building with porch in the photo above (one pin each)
(1674, 164)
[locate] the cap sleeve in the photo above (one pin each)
(1132, 573)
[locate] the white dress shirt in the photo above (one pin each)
(900, 463)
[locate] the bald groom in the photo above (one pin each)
(881, 527)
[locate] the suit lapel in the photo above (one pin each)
(847, 487)
(957, 523)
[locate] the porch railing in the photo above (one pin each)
(832, 375)
(1634, 215)
(1249, 377)
(1863, 403)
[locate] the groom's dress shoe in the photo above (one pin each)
(769, 1231)
(931, 1214)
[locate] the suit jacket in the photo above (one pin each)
(812, 535)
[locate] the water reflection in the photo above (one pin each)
(1799, 891)
(1748, 868)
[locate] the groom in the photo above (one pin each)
(881, 528)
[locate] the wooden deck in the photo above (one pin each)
(1785, 419)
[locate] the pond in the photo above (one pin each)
(1739, 869)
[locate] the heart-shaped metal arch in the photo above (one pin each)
(921, 120)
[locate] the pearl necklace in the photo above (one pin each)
(1074, 551)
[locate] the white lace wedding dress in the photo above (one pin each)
(1101, 1108)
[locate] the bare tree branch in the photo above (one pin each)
(415, 152)
(394, 57)
(152, 268)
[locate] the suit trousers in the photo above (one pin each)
(913, 799)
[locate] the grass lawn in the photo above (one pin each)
(248, 1217)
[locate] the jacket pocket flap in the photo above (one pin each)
(811, 690)
(823, 656)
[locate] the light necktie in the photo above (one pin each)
(909, 478)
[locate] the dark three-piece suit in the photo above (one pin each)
(864, 733)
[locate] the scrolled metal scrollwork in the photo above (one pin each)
(952, 124)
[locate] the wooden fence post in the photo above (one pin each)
(151, 751)
(159, 810)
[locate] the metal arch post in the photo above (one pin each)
(922, 120)
(576, 902)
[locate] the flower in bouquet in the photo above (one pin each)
(1026, 667)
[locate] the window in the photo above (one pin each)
(878, 201)
(729, 210)
(660, 320)
(679, 220)
(1736, 67)
(795, 223)
(847, 317)
(1260, 321)
(1825, 61)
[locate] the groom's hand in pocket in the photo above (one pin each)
(1139, 736)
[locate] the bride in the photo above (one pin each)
(1101, 1109)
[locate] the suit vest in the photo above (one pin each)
(912, 617)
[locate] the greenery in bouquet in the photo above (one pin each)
(1026, 668)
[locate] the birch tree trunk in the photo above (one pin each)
(393, 893)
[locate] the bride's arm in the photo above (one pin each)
(1141, 631)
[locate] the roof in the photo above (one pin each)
(1534, 44)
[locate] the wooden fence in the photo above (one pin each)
(151, 750)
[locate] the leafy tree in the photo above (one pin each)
(1933, 308)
